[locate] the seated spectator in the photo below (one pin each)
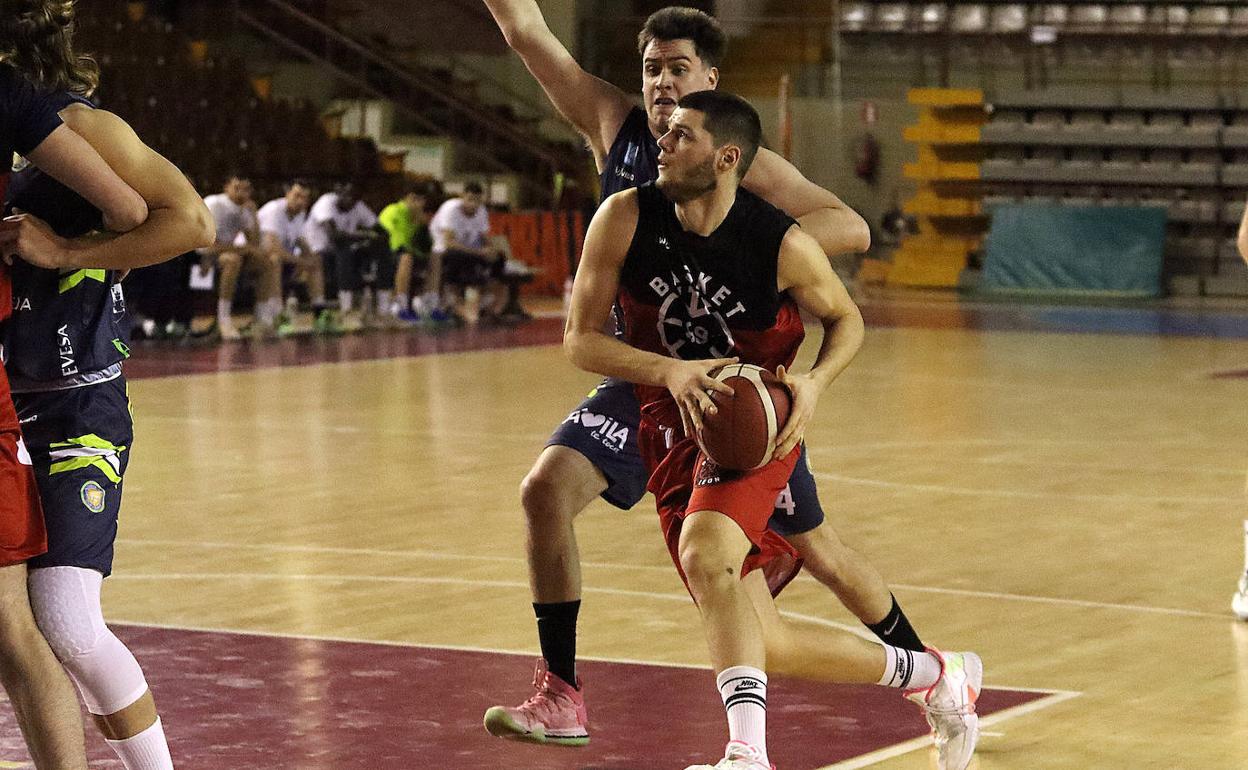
(237, 248)
(407, 223)
(343, 231)
(282, 223)
(468, 258)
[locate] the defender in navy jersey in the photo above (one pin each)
(729, 273)
(67, 341)
(680, 49)
(29, 124)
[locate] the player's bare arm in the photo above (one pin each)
(1241, 241)
(69, 159)
(586, 340)
(838, 228)
(804, 272)
(177, 222)
(272, 247)
(593, 106)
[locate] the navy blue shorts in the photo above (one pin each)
(80, 441)
(604, 429)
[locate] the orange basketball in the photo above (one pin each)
(742, 434)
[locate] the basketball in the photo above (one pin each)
(742, 434)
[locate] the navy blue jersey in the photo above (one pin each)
(27, 116)
(634, 156)
(67, 326)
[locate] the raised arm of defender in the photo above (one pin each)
(591, 348)
(804, 272)
(593, 106)
(1242, 240)
(838, 228)
(177, 219)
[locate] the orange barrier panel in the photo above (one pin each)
(542, 240)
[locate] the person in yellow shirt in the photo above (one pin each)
(407, 223)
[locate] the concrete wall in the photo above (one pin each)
(826, 154)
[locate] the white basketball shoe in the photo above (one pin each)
(1239, 602)
(738, 756)
(949, 706)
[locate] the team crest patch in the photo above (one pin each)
(92, 495)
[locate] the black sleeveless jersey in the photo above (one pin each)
(67, 326)
(634, 156)
(692, 297)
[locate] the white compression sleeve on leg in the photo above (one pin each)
(66, 601)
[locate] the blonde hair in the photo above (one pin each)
(36, 38)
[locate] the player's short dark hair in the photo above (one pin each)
(474, 188)
(679, 22)
(419, 189)
(299, 182)
(729, 120)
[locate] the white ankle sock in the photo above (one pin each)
(744, 692)
(146, 751)
(266, 311)
(344, 301)
(384, 302)
(906, 669)
(225, 308)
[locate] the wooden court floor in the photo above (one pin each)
(1067, 504)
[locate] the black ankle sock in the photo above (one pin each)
(895, 629)
(556, 631)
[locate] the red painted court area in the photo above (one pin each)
(247, 702)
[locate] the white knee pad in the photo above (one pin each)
(66, 601)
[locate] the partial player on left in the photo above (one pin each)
(41, 695)
(66, 280)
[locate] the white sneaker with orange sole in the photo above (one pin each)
(949, 706)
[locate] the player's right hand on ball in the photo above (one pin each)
(690, 383)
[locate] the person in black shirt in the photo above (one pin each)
(680, 50)
(29, 125)
(73, 404)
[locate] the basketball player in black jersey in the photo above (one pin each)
(68, 298)
(702, 255)
(583, 459)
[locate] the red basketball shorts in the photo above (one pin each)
(22, 534)
(684, 481)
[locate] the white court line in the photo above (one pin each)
(994, 595)
(1066, 602)
(897, 750)
(1019, 494)
(1052, 697)
(324, 578)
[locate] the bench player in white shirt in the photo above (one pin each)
(237, 248)
(282, 223)
(343, 232)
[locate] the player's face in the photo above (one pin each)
(472, 202)
(238, 191)
(298, 198)
(669, 70)
(348, 196)
(415, 203)
(686, 158)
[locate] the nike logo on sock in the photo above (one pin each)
(748, 684)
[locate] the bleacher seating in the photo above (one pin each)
(205, 114)
(1187, 153)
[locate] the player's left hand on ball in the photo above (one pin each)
(691, 383)
(29, 237)
(805, 394)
